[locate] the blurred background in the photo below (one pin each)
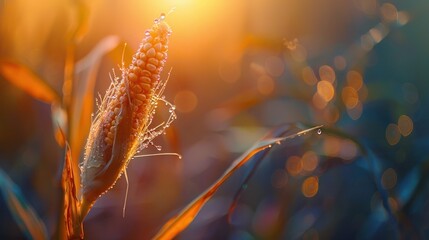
(239, 69)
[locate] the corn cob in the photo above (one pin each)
(121, 127)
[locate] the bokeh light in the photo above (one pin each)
(326, 90)
(405, 125)
(389, 13)
(331, 114)
(294, 165)
(318, 101)
(310, 186)
(308, 76)
(348, 150)
(291, 44)
(369, 7)
(350, 97)
(403, 18)
(392, 134)
(389, 178)
(327, 73)
(331, 146)
(310, 161)
(356, 112)
(185, 101)
(354, 80)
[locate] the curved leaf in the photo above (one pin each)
(82, 20)
(259, 157)
(177, 224)
(23, 214)
(25, 79)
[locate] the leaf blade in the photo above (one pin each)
(23, 214)
(177, 224)
(28, 81)
(71, 205)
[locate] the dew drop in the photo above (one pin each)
(147, 33)
(159, 148)
(156, 21)
(162, 17)
(319, 131)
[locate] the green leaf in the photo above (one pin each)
(23, 214)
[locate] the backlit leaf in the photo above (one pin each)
(25, 79)
(82, 17)
(71, 205)
(258, 158)
(22, 212)
(177, 224)
(59, 120)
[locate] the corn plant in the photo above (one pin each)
(121, 128)
(98, 144)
